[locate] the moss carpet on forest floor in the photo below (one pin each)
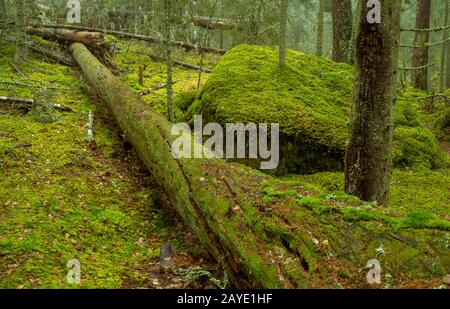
(60, 200)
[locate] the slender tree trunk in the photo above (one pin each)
(21, 28)
(368, 158)
(167, 34)
(3, 15)
(351, 52)
(448, 64)
(222, 32)
(420, 53)
(341, 12)
(445, 47)
(283, 31)
(319, 27)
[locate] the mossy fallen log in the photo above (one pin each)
(92, 39)
(291, 241)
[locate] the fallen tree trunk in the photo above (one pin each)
(146, 38)
(91, 39)
(160, 86)
(51, 54)
(213, 23)
(29, 103)
(187, 65)
(260, 244)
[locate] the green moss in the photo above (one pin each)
(59, 200)
(417, 147)
(310, 99)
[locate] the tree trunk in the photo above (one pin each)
(283, 32)
(3, 16)
(444, 84)
(368, 158)
(222, 205)
(167, 37)
(420, 53)
(342, 29)
(21, 37)
(448, 64)
(319, 33)
(351, 52)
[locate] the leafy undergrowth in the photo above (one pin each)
(60, 200)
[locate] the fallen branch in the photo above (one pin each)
(160, 86)
(32, 86)
(187, 65)
(417, 68)
(16, 100)
(140, 37)
(426, 44)
(54, 55)
(213, 23)
(30, 102)
(425, 30)
(438, 95)
(95, 40)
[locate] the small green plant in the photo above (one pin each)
(193, 274)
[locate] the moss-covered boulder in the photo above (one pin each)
(310, 98)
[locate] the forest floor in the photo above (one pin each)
(62, 200)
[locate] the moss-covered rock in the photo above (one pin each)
(310, 99)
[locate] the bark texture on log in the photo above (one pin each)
(259, 245)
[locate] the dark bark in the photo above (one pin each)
(445, 74)
(420, 53)
(368, 158)
(342, 29)
(283, 32)
(319, 27)
(3, 16)
(21, 38)
(169, 83)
